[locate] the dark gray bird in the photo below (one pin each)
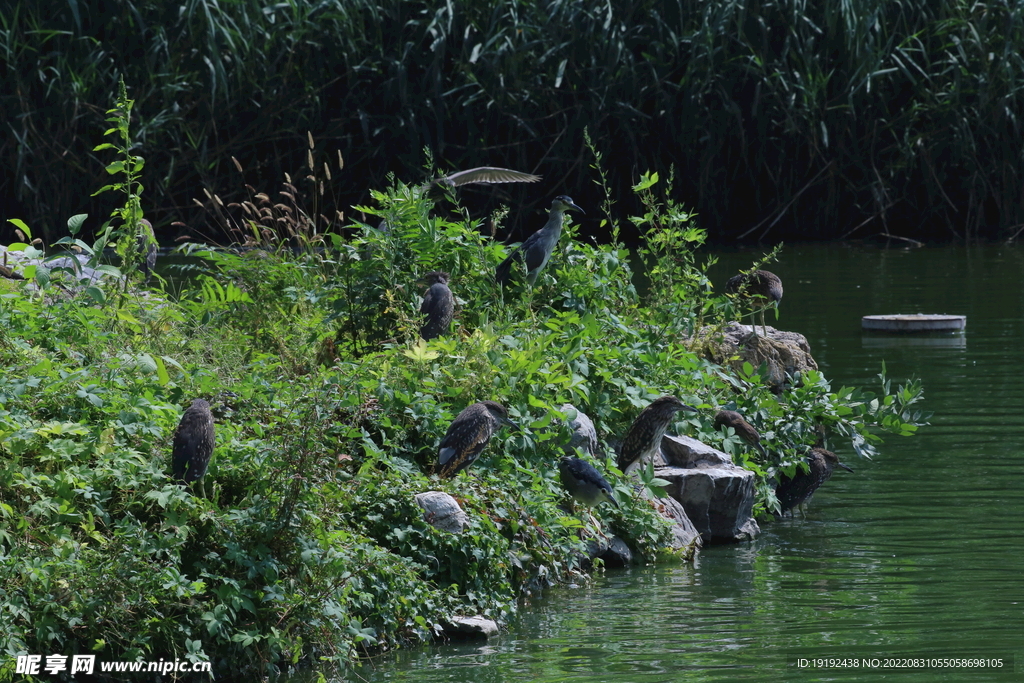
(147, 247)
(193, 445)
(761, 288)
(643, 440)
(798, 489)
(438, 305)
(584, 434)
(537, 248)
(743, 429)
(584, 483)
(468, 434)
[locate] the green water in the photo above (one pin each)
(920, 553)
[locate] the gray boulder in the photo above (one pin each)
(685, 537)
(784, 353)
(717, 495)
(442, 511)
(469, 628)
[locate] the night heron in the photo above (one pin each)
(584, 483)
(761, 288)
(743, 429)
(438, 305)
(643, 440)
(584, 434)
(537, 248)
(468, 434)
(147, 247)
(797, 490)
(484, 174)
(193, 445)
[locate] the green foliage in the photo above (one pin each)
(311, 546)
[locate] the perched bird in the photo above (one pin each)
(584, 435)
(762, 288)
(468, 434)
(438, 305)
(584, 483)
(193, 445)
(743, 429)
(147, 247)
(798, 489)
(537, 248)
(643, 440)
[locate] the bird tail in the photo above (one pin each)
(504, 269)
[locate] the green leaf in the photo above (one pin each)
(75, 222)
(20, 224)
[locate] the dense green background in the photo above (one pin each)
(783, 119)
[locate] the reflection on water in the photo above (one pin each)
(918, 554)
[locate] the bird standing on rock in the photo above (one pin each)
(743, 429)
(438, 305)
(761, 287)
(193, 445)
(584, 483)
(468, 434)
(798, 489)
(536, 250)
(643, 440)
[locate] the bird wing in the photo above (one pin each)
(472, 437)
(504, 269)
(488, 174)
(428, 300)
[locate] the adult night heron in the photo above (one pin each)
(193, 445)
(798, 489)
(537, 248)
(468, 434)
(762, 288)
(743, 429)
(147, 247)
(438, 305)
(643, 440)
(584, 483)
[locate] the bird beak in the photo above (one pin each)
(510, 423)
(690, 408)
(845, 467)
(576, 208)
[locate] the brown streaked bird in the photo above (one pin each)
(193, 445)
(743, 429)
(798, 489)
(643, 440)
(468, 434)
(438, 305)
(485, 174)
(10, 273)
(762, 288)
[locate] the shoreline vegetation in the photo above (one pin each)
(789, 120)
(310, 550)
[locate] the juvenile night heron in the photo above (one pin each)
(798, 489)
(147, 247)
(762, 288)
(584, 483)
(193, 445)
(743, 429)
(438, 305)
(484, 174)
(643, 440)
(468, 434)
(537, 248)
(584, 434)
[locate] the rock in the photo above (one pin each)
(442, 511)
(717, 495)
(685, 536)
(469, 628)
(614, 553)
(784, 353)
